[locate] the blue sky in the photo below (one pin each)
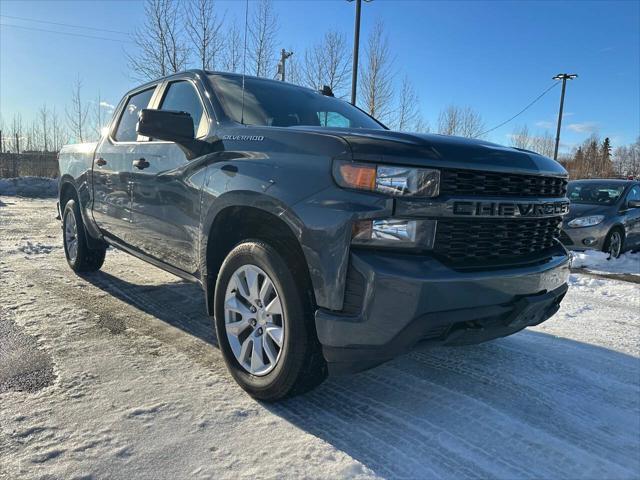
(495, 56)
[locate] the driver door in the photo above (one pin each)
(166, 196)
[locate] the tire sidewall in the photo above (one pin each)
(295, 335)
(608, 241)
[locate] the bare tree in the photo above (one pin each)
(204, 28)
(461, 121)
(294, 70)
(328, 63)
(58, 133)
(233, 49)
(376, 92)
(77, 113)
(16, 140)
(627, 160)
(544, 144)
(262, 34)
(43, 119)
(160, 42)
(521, 138)
(407, 116)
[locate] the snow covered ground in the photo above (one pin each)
(599, 262)
(116, 375)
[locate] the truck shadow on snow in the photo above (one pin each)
(528, 403)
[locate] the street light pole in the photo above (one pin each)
(284, 55)
(356, 47)
(564, 77)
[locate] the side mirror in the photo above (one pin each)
(175, 127)
(166, 125)
(633, 203)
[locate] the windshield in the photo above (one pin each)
(595, 193)
(280, 104)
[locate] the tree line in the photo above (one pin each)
(593, 158)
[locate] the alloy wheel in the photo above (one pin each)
(615, 244)
(254, 320)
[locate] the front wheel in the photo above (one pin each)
(614, 243)
(265, 325)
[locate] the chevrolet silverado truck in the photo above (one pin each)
(323, 241)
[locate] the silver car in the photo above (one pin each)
(604, 215)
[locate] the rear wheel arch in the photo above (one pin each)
(235, 224)
(68, 192)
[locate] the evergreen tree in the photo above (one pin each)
(606, 167)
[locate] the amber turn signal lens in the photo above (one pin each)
(358, 175)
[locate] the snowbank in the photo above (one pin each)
(29, 186)
(599, 262)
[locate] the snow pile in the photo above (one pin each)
(29, 186)
(599, 262)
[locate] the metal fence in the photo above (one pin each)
(29, 164)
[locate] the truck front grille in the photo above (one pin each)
(494, 241)
(477, 183)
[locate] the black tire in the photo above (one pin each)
(612, 245)
(300, 366)
(83, 259)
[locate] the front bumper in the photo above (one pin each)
(401, 299)
(584, 238)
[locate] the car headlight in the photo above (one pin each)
(394, 232)
(589, 221)
(395, 181)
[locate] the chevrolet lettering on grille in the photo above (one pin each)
(510, 209)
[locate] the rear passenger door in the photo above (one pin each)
(166, 199)
(112, 168)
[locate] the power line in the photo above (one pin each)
(520, 112)
(63, 24)
(65, 33)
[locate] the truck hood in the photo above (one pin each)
(387, 146)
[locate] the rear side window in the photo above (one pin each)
(182, 97)
(126, 131)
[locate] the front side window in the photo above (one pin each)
(279, 104)
(595, 193)
(182, 97)
(126, 131)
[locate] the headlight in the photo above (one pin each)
(396, 181)
(394, 232)
(586, 221)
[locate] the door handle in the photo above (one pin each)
(141, 164)
(101, 162)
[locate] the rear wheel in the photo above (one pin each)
(265, 325)
(80, 257)
(614, 243)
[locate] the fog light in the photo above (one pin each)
(394, 233)
(589, 241)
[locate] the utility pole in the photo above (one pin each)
(1, 144)
(356, 48)
(17, 143)
(564, 77)
(281, 66)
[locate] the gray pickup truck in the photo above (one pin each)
(323, 241)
